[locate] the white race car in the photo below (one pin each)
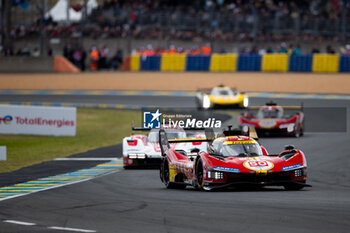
(143, 150)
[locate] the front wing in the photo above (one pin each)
(258, 179)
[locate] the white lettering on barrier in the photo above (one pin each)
(37, 120)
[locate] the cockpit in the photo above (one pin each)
(236, 148)
(270, 112)
(153, 135)
(221, 91)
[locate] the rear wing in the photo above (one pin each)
(208, 90)
(232, 132)
(164, 142)
(190, 140)
(184, 128)
(237, 132)
(133, 128)
(291, 107)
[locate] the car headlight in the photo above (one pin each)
(245, 101)
(215, 175)
(206, 102)
(300, 172)
(289, 127)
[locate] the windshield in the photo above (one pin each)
(270, 113)
(153, 136)
(237, 149)
(225, 91)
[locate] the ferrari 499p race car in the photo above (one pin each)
(221, 97)
(230, 161)
(272, 119)
(143, 150)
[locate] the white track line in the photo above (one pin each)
(70, 229)
(20, 222)
(86, 159)
(57, 186)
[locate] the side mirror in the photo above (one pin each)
(289, 147)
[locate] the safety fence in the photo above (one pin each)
(231, 62)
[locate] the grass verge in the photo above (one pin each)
(95, 128)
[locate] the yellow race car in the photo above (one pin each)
(221, 97)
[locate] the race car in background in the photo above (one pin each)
(231, 160)
(141, 150)
(272, 119)
(221, 97)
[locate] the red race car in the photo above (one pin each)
(272, 119)
(231, 161)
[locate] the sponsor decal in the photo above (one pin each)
(151, 120)
(227, 169)
(37, 120)
(238, 142)
(267, 123)
(6, 120)
(291, 167)
(40, 121)
(261, 165)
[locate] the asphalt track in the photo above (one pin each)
(136, 200)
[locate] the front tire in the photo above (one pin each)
(199, 174)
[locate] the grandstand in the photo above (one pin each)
(252, 27)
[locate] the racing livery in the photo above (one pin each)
(221, 97)
(231, 161)
(271, 119)
(144, 150)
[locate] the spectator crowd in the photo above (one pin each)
(206, 50)
(267, 22)
(198, 20)
(98, 57)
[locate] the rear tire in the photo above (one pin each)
(165, 174)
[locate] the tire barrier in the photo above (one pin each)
(232, 62)
(249, 63)
(223, 62)
(344, 64)
(150, 63)
(173, 62)
(325, 63)
(135, 63)
(300, 63)
(275, 62)
(197, 63)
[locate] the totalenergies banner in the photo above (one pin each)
(37, 120)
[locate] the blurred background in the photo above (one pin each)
(113, 29)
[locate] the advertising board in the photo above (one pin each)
(37, 120)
